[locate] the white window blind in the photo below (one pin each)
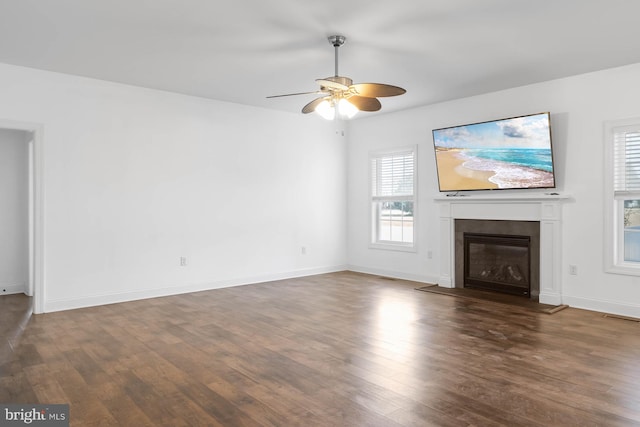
(626, 160)
(392, 175)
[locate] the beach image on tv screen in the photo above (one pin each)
(501, 154)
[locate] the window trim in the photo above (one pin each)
(374, 243)
(614, 205)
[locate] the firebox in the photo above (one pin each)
(498, 262)
(498, 255)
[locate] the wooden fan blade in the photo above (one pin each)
(364, 103)
(376, 90)
(294, 94)
(331, 84)
(311, 107)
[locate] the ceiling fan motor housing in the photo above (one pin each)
(339, 79)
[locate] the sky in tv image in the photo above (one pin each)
(519, 132)
(502, 154)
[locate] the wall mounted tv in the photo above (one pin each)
(505, 154)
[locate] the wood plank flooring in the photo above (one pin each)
(340, 349)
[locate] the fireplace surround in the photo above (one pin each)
(543, 209)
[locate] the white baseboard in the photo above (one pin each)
(611, 307)
(603, 306)
(393, 274)
(104, 299)
(12, 289)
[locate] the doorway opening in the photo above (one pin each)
(31, 237)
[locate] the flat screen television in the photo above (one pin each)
(505, 154)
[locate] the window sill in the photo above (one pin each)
(622, 269)
(393, 247)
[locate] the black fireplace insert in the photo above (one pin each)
(498, 262)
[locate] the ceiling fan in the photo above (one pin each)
(341, 97)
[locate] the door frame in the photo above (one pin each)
(36, 286)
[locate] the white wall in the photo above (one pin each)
(134, 179)
(579, 107)
(14, 214)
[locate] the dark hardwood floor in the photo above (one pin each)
(342, 349)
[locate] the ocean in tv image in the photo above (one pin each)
(502, 154)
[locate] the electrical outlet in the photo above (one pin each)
(573, 270)
(183, 261)
(429, 254)
(303, 250)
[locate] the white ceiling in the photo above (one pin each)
(243, 50)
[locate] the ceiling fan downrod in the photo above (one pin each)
(336, 41)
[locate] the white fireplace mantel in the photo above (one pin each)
(544, 208)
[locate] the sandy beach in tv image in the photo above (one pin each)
(503, 154)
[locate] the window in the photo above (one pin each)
(623, 196)
(393, 199)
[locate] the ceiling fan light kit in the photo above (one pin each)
(329, 109)
(341, 97)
